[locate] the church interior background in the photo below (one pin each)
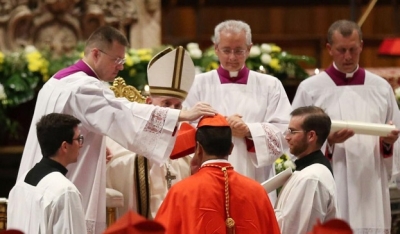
(58, 27)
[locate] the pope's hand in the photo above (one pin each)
(340, 136)
(238, 126)
(198, 110)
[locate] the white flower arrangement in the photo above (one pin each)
(3, 95)
(282, 163)
(194, 50)
(255, 51)
(265, 48)
(266, 59)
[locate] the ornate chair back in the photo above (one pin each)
(120, 89)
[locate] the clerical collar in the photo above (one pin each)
(225, 76)
(43, 168)
(80, 66)
(314, 157)
(215, 161)
(348, 75)
(340, 79)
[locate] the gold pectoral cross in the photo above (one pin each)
(169, 177)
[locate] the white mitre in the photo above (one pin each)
(171, 73)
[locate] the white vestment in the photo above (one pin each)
(265, 108)
(120, 176)
(144, 128)
(308, 195)
(53, 206)
(361, 173)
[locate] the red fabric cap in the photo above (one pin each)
(215, 121)
(333, 226)
(185, 141)
(133, 223)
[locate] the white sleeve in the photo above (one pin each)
(268, 136)
(305, 204)
(302, 97)
(67, 215)
(145, 129)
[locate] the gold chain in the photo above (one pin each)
(229, 222)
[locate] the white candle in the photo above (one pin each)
(277, 181)
(363, 128)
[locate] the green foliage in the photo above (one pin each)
(22, 73)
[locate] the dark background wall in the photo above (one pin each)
(299, 27)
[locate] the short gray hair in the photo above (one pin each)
(344, 27)
(235, 26)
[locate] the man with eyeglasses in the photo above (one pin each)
(309, 195)
(255, 104)
(79, 90)
(44, 200)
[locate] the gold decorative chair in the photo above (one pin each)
(3, 214)
(121, 89)
(115, 198)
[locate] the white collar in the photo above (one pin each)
(233, 73)
(348, 75)
(214, 161)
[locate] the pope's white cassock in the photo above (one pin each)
(360, 170)
(264, 105)
(54, 207)
(165, 83)
(120, 176)
(143, 128)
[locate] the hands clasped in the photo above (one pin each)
(238, 126)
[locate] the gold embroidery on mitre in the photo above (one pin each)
(178, 66)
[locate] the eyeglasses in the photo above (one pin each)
(80, 139)
(236, 52)
(117, 61)
(291, 132)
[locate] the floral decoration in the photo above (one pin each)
(20, 74)
(282, 163)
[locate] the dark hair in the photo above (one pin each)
(345, 27)
(215, 141)
(103, 37)
(53, 129)
(314, 119)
